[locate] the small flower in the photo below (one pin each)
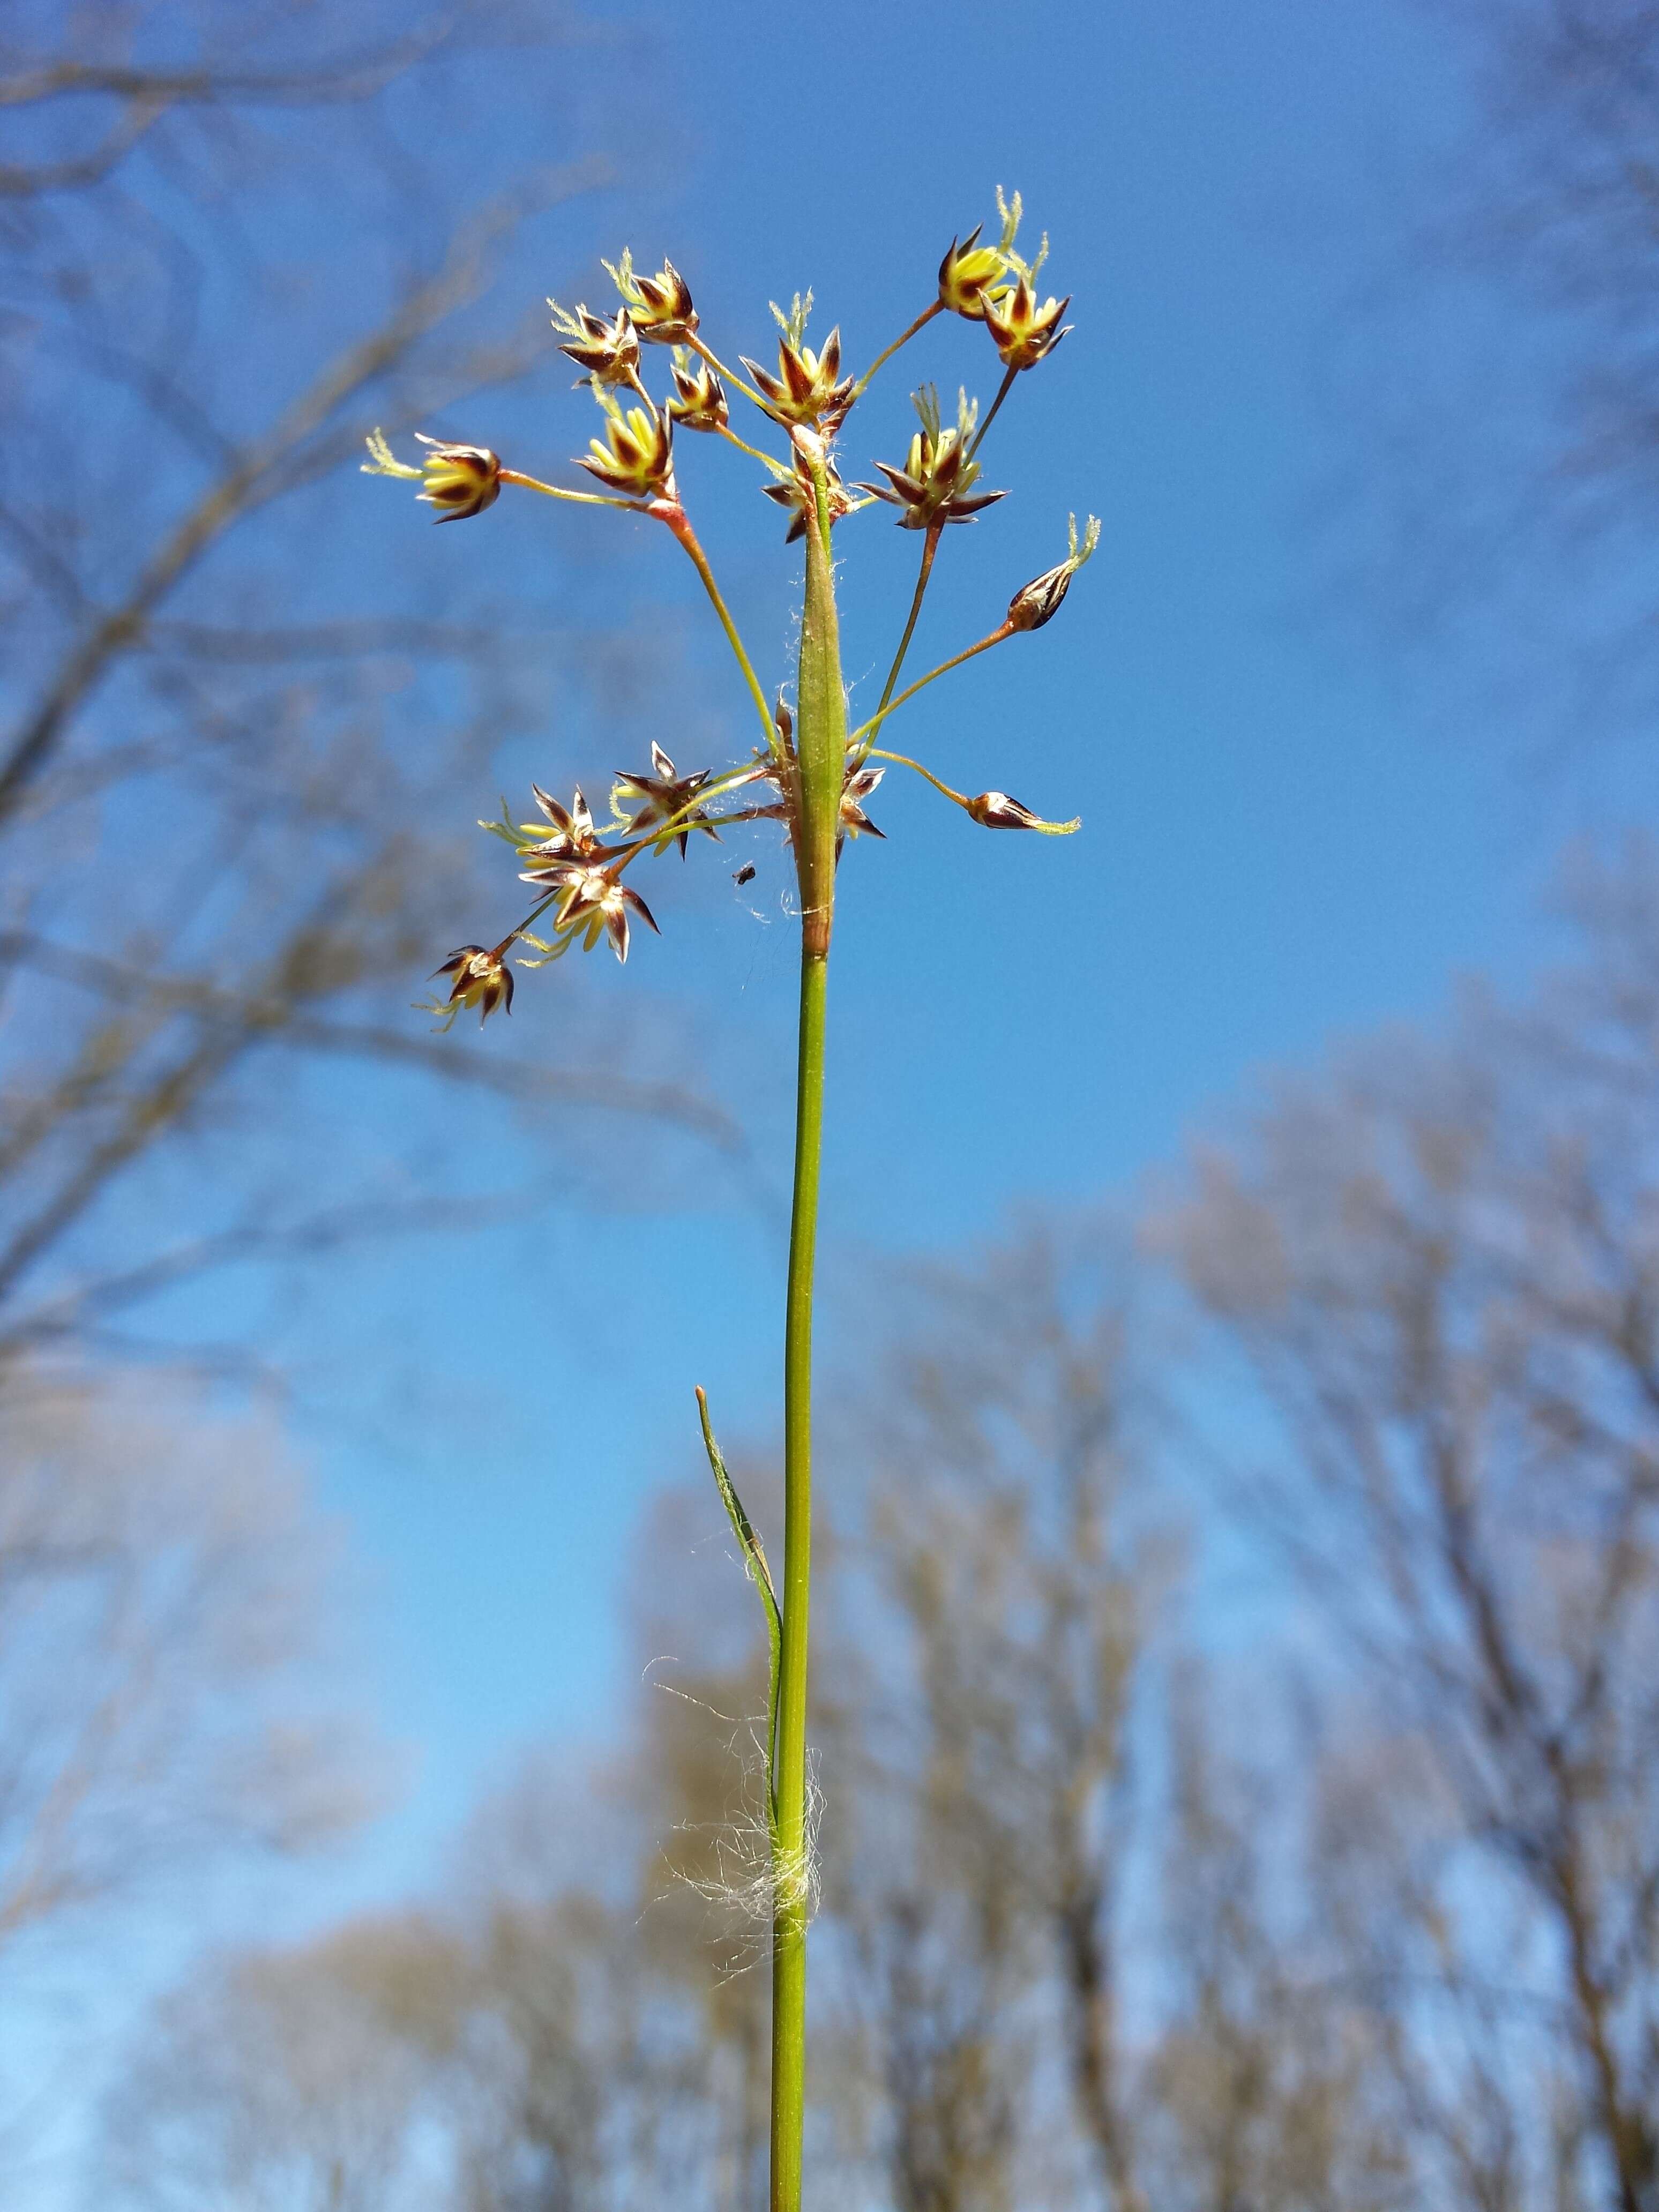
(965, 274)
(661, 305)
(809, 387)
(607, 351)
(569, 835)
(994, 810)
(1039, 601)
(595, 904)
(699, 401)
(796, 492)
(659, 797)
(481, 979)
(935, 484)
(462, 480)
(856, 788)
(637, 455)
(1024, 332)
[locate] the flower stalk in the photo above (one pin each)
(808, 775)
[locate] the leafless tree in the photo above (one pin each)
(1500, 384)
(1439, 1265)
(235, 795)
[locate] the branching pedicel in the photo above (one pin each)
(808, 772)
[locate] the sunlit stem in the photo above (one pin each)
(929, 548)
(581, 498)
(1003, 390)
(671, 513)
(903, 339)
(730, 374)
(903, 760)
(868, 729)
(821, 730)
(778, 468)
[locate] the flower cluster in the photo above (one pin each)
(577, 871)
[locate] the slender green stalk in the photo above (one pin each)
(675, 516)
(790, 1869)
(754, 452)
(903, 339)
(579, 498)
(731, 375)
(930, 546)
(867, 730)
(822, 755)
(1003, 390)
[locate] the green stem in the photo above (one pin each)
(580, 498)
(730, 374)
(869, 729)
(903, 339)
(674, 515)
(1003, 390)
(754, 452)
(820, 756)
(791, 1884)
(929, 548)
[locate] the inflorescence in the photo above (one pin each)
(576, 868)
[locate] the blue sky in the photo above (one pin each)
(1284, 837)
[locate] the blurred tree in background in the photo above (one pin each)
(235, 800)
(216, 860)
(1362, 1914)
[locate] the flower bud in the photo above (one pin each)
(636, 456)
(607, 351)
(1024, 332)
(966, 273)
(699, 401)
(661, 306)
(462, 480)
(1039, 601)
(808, 387)
(481, 979)
(935, 485)
(994, 810)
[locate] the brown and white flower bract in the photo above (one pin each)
(699, 402)
(935, 485)
(637, 455)
(462, 480)
(661, 305)
(1024, 332)
(595, 903)
(660, 796)
(808, 387)
(994, 810)
(481, 978)
(605, 347)
(966, 273)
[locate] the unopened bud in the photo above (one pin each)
(994, 810)
(1039, 601)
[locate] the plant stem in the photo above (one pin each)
(903, 339)
(755, 453)
(1003, 390)
(868, 729)
(674, 515)
(731, 375)
(821, 755)
(792, 1885)
(581, 498)
(930, 546)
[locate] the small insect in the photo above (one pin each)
(745, 875)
